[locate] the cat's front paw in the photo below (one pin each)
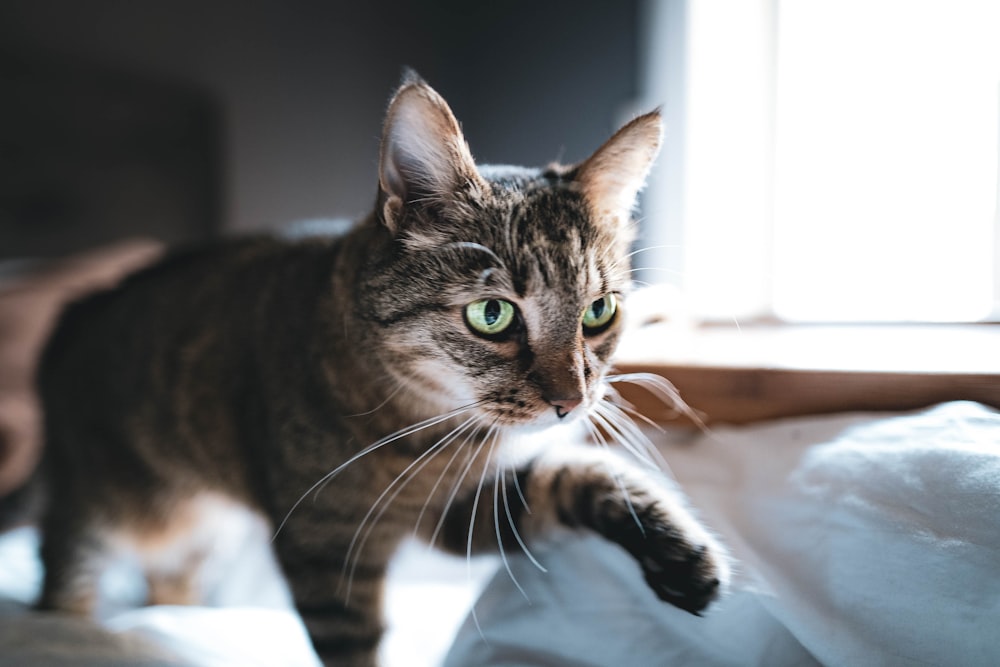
(681, 561)
(643, 513)
(683, 570)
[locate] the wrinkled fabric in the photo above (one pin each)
(859, 540)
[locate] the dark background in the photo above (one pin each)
(182, 119)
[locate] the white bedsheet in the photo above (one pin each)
(427, 596)
(860, 540)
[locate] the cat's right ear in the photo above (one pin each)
(612, 176)
(424, 158)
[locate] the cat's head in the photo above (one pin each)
(503, 286)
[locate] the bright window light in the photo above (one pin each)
(886, 151)
(827, 160)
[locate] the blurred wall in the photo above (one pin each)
(300, 87)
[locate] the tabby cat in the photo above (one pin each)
(361, 389)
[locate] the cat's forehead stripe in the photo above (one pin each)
(545, 243)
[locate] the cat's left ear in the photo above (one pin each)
(424, 158)
(612, 177)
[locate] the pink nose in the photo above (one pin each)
(564, 406)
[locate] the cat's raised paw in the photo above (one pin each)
(687, 576)
(680, 559)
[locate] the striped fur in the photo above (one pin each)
(337, 387)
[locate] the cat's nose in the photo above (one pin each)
(564, 406)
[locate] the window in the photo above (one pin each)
(827, 160)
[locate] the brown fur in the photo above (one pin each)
(263, 372)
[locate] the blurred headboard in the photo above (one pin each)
(89, 155)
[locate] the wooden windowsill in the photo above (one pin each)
(746, 374)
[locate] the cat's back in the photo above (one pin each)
(184, 320)
(153, 300)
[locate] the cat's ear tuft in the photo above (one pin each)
(424, 158)
(410, 76)
(612, 177)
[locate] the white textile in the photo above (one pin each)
(860, 540)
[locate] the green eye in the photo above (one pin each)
(489, 317)
(600, 313)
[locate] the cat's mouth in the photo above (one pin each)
(534, 418)
(511, 410)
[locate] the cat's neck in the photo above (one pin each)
(363, 382)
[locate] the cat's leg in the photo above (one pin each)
(341, 608)
(77, 550)
(169, 537)
(177, 583)
(172, 588)
(74, 558)
(175, 538)
(592, 488)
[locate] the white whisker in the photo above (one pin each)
(652, 247)
(628, 502)
(630, 435)
(444, 471)
(469, 245)
(602, 442)
(405, 477)
(392, 437)
(513, 526)
(496, 524)
(475, 500)
(399, 387)
(618, 402)
(472, 523)
(662, 389)
(520, 493)
(661, 269)
(623, 416)
(624, 435)
(458, 483)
